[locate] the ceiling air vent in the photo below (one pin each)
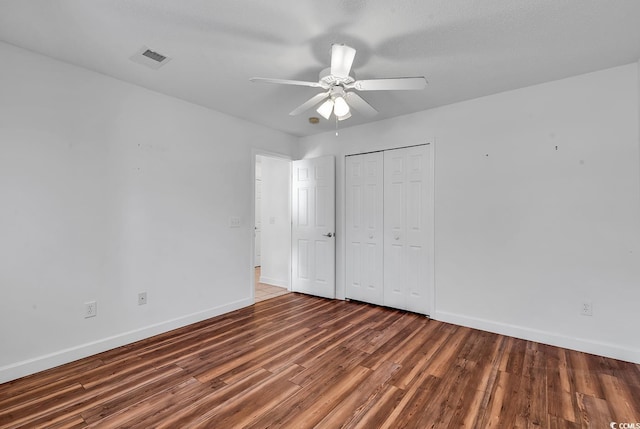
(154, 55)
(149, 58)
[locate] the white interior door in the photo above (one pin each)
(407, 280)
(364, 227)
(313, 226)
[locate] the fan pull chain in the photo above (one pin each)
(336, 125)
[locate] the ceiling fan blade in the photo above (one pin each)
(285, 82)
(309, 103)
(391, 84)
(358, 103)
(341, 60)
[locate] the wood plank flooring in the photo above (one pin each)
(299, 362)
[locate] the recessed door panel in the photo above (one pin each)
(394, 213)
(369, 270)
(322, 269)
(355, 257)
(414, 205)
(323, 216)
(303, 207)
(302, 174)
(356, 209)
(368, 212)
(303, 259)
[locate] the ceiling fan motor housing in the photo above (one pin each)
(328, 80)
(337, 91)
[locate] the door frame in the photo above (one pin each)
(254, 154)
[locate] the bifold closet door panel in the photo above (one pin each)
(406, 199)
(364, 227)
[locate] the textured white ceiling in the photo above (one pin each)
(464, 48)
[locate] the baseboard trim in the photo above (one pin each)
(579, 344)
(274, 282)
(41, 363)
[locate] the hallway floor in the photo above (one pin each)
(265, 291)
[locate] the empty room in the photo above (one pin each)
(297, 214)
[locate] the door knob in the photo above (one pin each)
(328, 235)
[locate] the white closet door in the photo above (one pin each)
(406, 232)
(364, 240)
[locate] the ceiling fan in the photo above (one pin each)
(339, 81)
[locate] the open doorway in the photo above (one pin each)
(272, 237)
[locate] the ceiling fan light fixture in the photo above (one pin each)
(325, 109)
(338, 80)
(341, 108)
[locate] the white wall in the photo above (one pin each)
(106, 190)
(524, 233)
(276, 221)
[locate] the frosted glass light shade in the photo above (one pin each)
(325, 109)
(343, 117)
(340, 108)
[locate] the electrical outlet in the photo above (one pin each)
(586, 309)
(142, 298)
(90, 309)
(234, 222)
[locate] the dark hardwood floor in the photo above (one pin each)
(297, 361)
